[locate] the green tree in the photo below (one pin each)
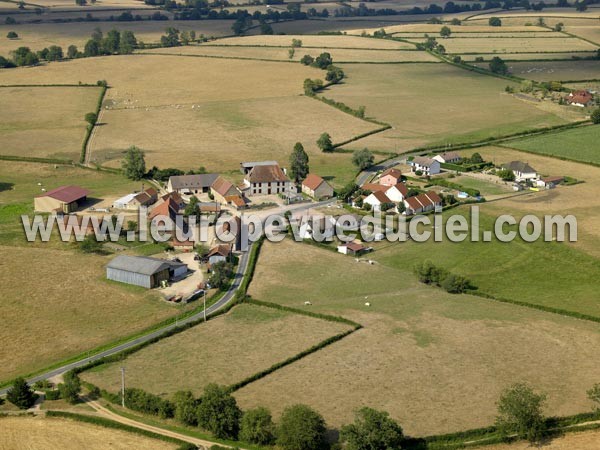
(445, 32)
(23, 56)
(91, 48)
(307, 60)
(72, 52)
(520, 412)
(20, 394)
(476, 158)
(298, 163)
(506, 174)
(193, 207)
(171, 38)
(495, 22)
(362, 158)
(12, 35)
(70, 388)
(497, 65)
(596, 116)
(185, 408)
(257, 427)
(222, 272)
(372, 430)
(311, 86)
(112, 41)
(134, 163)
(334, 74)
(296, 43)
(301, 428)
(594, 395)
(323, 61)
(324, 143)
(265, 28)
(218, 412)
(91, 118)
(5, 63)
(127, 43)
(55, 53)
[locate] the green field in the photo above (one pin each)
(435, 361)
(579, 144)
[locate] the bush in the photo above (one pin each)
(495, 22)
(520, 412)
(428, 273)
(596, 116)
(142, 401)
(12, 35)
(372, 430)
(70, 389)
(53, 394)
(185, 408)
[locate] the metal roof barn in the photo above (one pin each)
(143, 271)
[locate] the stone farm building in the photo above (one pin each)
(65, 199)
(267, 179)
(316, 187)
(191, 184)
(144, 271)
(137, 199)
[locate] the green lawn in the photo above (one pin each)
(578, 144)
(484, 187)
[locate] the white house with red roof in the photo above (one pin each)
(580, 98)
(377, 199)
(390, 177)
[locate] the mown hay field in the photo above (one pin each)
(39, 36)
(434, 28)
(461, 33)
(336, 41)
(91, 7)
(226, 350)
(551, 17)
(591, 33)
(339, 55)
(449, 97)
(45, 121)
(556, 70)
(583, 440)
(516, 45)
(24, 433)
(437, 362)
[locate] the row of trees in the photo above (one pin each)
(429, 273)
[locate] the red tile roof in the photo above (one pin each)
(393, 172)
(401, 187)
(355, 246)
(266, 174)
(66, 194)
(222, 186)
(167, 207)
(374, 187)
(379, 195)
(221, 249)
(581, 97)
(313, 181)
(236, 200)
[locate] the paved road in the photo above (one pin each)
(369, 173)
(222, 302)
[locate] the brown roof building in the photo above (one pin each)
(64, 199)
(316, 187)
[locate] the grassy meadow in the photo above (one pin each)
(578, 144)
(23, 433)
(226, 350)
(450, 98)
(45, 121)
(437, 362)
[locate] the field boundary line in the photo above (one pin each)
(548, 155)
(91, 129)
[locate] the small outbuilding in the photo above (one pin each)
(316, 187)
(144, 271)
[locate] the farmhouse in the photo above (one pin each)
(267, 179)
(522, 171)
(448, 158)
(63, 199)
(390, 177)
(144, 271)
(580, 98)
(316, 187)
(396, 192)
(246, 167)
(137, 199)
(425, 165)
(422, 203)
(191, 184)
(351, 248)
(221, 189)
(377, 200)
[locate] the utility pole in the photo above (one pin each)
(123, 387)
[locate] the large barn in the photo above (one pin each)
(64, 199)
(144, 271)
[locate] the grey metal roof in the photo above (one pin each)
(141, 264)
(203, 180)
(249, 165)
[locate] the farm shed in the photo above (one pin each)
(316, 187)
(192, 184)
(64, 199)
(143, 271)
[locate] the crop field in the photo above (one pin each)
(449, 97)
(39, 36)
(339, 55)
(578, 144)
(530, 56)
(591, 33)
(325, 41)
(434, 28)
(98, 4)
(45, 121)
(427, 350)
(258, 95)
(516, 45)
(203, 354)
(24, 433)
(556, 70)
(551, 17)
